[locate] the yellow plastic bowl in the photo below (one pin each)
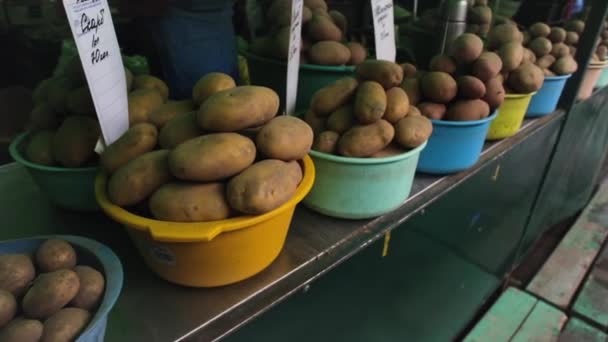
(208, 254)
(510, 116)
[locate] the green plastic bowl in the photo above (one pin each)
(70, 188)
(272, 73)
(358, 188)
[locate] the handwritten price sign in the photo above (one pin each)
(93, 31)
(384, 29)
(293, 59)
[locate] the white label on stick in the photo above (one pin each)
(384, 29)
(93, 31)
(293, 57)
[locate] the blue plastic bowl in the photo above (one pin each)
(545, 100)
(454, 145)
(90, 253)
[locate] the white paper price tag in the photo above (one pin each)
(384, 29)
(293, 58)
(93, 31)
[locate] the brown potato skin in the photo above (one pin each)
(545, 61)
(411, 86)
(74, 142)
(142, 102)
(526, 79)
(39, 149)
(560, 50)
(139, 178)
(42, 117)
(178, 130)
(370, 102)
(285, 138)
(65, 325)
(512, 54)
(8, 307)
(50, 292)
(90, 292)
(495, 93)
(326, 142)
(467, 110)
(339, 19)
(16, 272)
(341, 120)
(321, 28)
(431, 110)
(438, 87)
(487, 66)
(80, 102)
(22, 330)
(161, 115)
(55, 254)
(316, 122)
(413, 131)
(139, 139)
(365, 140)
(541, 46)
(470, 87)
(388, 74)
(358, 53)
(327, 99)
(397, 105)
(557, 35)
(153, 83)
(414, 111)
(443, 63)
(409, 70)
(564, 66)
(238, 108)
(264, 186)
(502, 34)
(328, 52)
(190, 202)
(466, 48)
(212, 157)
(211, 83)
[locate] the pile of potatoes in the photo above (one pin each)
(47, 296)
(479, 17)
(230, 157)
(601, 53)
(547, 48)
(462, 84)
(367, 116)
(324, 39)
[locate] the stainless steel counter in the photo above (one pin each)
(151, 309)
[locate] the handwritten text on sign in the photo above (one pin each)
(93, 31)
(293, 58)
(384, 29)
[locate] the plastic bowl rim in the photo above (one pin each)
(367, 161)
(519, 96)
(465, 123)
(557, 77)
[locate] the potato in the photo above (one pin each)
(545, 61)
(326, 142)
(22, 330)
(438, 87)
(316, 4)
(540, 30)
(55, 254)
(565, 65)
(8, 307)
(526, 79)
(90, 292)
(161, 115)
(190, 202)
(285, 138)
(65, 325)
(142, 102)
(557, 35)
(572, 38)
(409, 70)
(280, 48)
(529, 55)
(443, 63)
(386, 73)
(411, 86)
(327, 99)
(58, 96)
(470, 87)
(341, 120)
(487, 66)
(178, 130)
(466, 48)
(548, 73)
(393, 149)
(212, 157)
(49, 293)
(577, 26)
(365, 140)
(495, 93)
(433, 111)
(129, 79)
(238, 108)
(211, 83)
(502, 34)
(264, 186)
(321, 28)
(329, 53)
(75, 140)
(137, 140)
(370, 102)
(42, 117)
(41, 92)
(397, 105)
(414, 111)
(153, 83)
(139, 178)
(339, 19)
(39, 149)
(413, 131)
(467, 110)
(601, 52)
(480, 15)
(541, 46)
(512, 55)
(358, 53)
(80, 102)
(16, 273)
(316, 122)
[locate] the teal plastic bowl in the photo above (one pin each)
(603, 81)
(272, 73)
(70, 188)
(358, 188)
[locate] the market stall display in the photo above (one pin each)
(601, 51)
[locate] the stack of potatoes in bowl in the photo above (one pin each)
(463, 84)
(479, 17)
(324, 38)
(546, 47)
(231, 157)
(367, 116)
